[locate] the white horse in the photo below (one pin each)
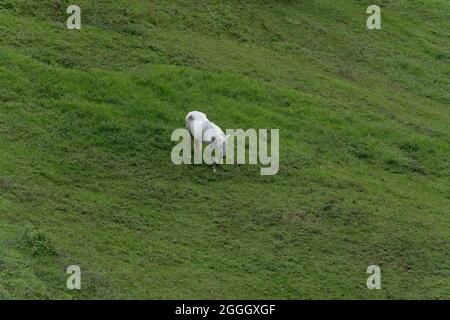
(203, 130)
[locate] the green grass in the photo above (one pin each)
(85, 171)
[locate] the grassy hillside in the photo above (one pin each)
(85, 171)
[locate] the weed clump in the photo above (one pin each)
(39, 243)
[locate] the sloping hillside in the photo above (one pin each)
(85, 171)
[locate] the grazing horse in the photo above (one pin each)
(203, 130)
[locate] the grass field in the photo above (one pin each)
(85, 171)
